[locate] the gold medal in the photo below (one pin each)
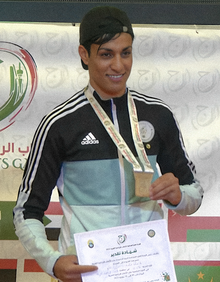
(142, 183)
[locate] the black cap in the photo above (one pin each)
(104, 20)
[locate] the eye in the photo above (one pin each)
(126, 53)
(106, 55)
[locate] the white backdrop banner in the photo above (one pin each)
(40, 68)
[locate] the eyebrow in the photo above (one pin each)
(108, 49)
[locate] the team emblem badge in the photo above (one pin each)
(147, 131)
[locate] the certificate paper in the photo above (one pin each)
(130, 253)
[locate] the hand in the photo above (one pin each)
(67, 269)
(166, 187)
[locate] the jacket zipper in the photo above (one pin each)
(121, 165)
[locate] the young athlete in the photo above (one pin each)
(96, 170)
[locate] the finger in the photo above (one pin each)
(74, 273)
(84, 268)
(156, 189)
(162, 192)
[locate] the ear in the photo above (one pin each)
(83, 54)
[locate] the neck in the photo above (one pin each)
(105, 96)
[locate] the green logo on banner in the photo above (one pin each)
(18, 82)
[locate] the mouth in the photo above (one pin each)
(116, 77)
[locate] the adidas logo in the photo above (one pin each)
(89, 139)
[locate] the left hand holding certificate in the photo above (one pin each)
(130, 253)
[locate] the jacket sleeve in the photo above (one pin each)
(40, 176)
(191, 199)
(174, 158)
(31, 233)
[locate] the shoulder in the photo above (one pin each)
(70, 105)
(66, 108)
(62, 114)
(155, 111)
(149, 101)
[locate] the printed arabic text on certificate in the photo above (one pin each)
(131, 253)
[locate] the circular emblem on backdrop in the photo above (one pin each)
(146, 130)
(18, 82)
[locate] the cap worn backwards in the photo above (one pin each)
(104, 20)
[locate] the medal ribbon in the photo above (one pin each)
(116, 136)
(137, 136)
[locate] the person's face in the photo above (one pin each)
(109, 65)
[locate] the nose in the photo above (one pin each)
(117, 63)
